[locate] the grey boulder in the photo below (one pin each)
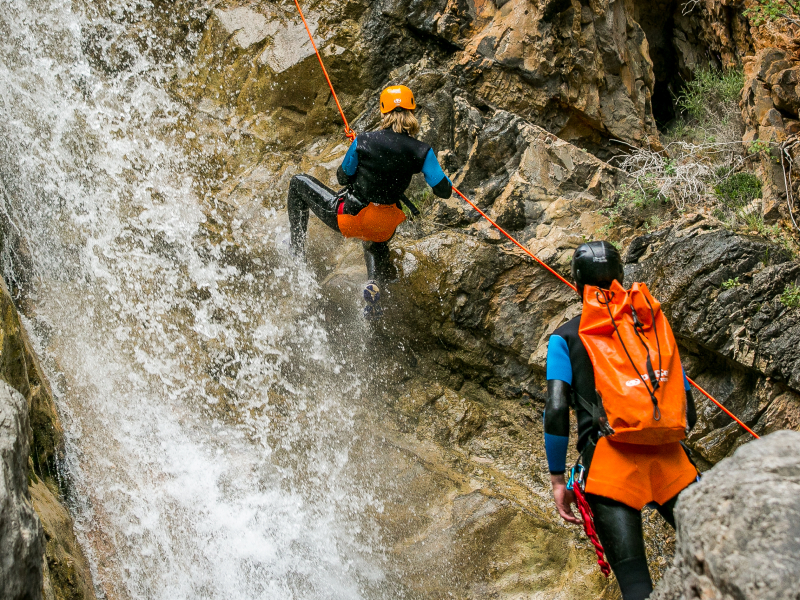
(739, 528)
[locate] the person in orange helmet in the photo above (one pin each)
(376, 171)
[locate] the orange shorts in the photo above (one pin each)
(374, 223)
(636, 475)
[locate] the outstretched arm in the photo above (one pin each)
(435, 177)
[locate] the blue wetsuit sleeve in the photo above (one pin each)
(432, 170)
(559, 366)
(350, 162)
(555, 447)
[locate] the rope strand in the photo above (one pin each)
(523, 248)
(725, 410)
(591, 532)
(349, 133)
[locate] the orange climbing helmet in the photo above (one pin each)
(397, 96)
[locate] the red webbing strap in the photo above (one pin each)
(349, 133)
(591, 532)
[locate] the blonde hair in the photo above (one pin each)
(401, 120)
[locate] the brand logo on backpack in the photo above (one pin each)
(662, 376)
(633, 351)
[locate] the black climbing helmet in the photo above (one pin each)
(596, 263)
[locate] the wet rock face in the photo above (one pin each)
(739, 528)
(488, 517)
(485, 307)
(21, 537)
(582, 71)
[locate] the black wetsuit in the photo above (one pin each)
(619, 526)
(378, 168)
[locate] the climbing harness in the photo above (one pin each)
(352, 135)
(575, 483)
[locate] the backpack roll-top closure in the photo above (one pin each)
(637, 368)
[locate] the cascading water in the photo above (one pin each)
(211, 423)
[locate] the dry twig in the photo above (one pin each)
(682, 171)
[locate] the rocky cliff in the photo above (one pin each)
(21, 535)
(527, 103)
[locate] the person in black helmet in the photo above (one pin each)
(570, 375)
(377, 169)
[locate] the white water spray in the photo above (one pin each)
(210, 423)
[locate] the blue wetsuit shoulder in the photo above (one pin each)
(350, 162)
(432, 170)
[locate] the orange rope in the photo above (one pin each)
(725, 410)
(523, 248)
(352, 135)
(349, 133)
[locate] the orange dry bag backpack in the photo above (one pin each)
(637, 368)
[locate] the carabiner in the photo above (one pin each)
(576, 476)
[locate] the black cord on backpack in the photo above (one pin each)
(655, 330)
(656, 409)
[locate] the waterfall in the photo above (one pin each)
(213, 426)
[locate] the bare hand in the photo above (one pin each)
(564, 499)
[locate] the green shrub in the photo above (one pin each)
(737, 190)
(754, 221)
(764, 11)
(731, 283)
(710, 89)
(630, 196)
(790, 297)
(758, 146)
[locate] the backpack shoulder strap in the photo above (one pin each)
(599, 418)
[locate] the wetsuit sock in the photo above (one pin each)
(307, 192)
(633, 577)
(379, 264)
